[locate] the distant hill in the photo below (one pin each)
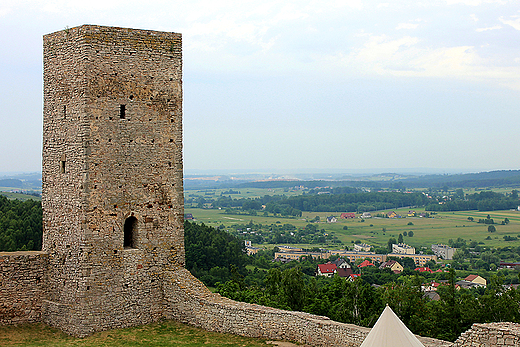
(501, 178)
(31, 181)
(11, 183)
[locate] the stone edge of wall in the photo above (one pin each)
(23, 293)
(22, 286)
(490, 334)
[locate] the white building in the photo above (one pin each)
(443, 251)
(402, 248)
(362, 247)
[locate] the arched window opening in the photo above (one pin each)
(130, 232)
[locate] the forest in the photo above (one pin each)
(20, 225)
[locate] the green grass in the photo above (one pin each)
(427, 231)
(166, 333)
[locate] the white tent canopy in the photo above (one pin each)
(390, 331)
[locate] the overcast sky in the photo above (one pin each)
(286, 86)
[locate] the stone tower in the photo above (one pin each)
(112, 175)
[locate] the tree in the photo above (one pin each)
(492, 229)
(410, 233)
(400, 238)
(391, 241)
(459, 193)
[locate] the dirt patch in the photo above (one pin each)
(364, 236)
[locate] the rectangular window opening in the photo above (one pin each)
(122, 111)
(64, 112)
(62, 166)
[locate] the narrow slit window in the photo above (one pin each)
(122, 111)
(130, 232)
(62, 166)
(64, 112)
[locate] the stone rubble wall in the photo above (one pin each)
(22, 286)
(189, 301)
(490, 334)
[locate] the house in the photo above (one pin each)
(476, 279)
(432, 295)
(345, 272)
(466, 284)
(331, 219)
(508, 265)
(352, 277)
(341, 263)
(432, 287)
(328, 269)
(348, 215)
(423, 269)
(188, 216)
(252, 250)
(392, 265)
(365, 263)
(366, 215)
(391, 214)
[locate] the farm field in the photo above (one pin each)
(426, 231)
(19, 196)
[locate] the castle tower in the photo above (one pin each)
(112, 175)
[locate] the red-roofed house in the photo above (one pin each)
(392, 265)
(423, 269)
(348, 215)
(476, 279)
(365, 263)
(352, 277)
(328, 270)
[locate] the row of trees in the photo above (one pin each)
(483, 201)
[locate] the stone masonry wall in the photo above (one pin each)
(22, 286)
(490, 335)
(189, 301)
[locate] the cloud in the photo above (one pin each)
(515, 23)
(474, 17)
(406, 26)
(490, 28)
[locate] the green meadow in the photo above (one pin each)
(439, 228)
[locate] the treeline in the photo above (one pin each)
(20, 225)
(360, 303)
(333, 202)
(499, 178)
(483, 201)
